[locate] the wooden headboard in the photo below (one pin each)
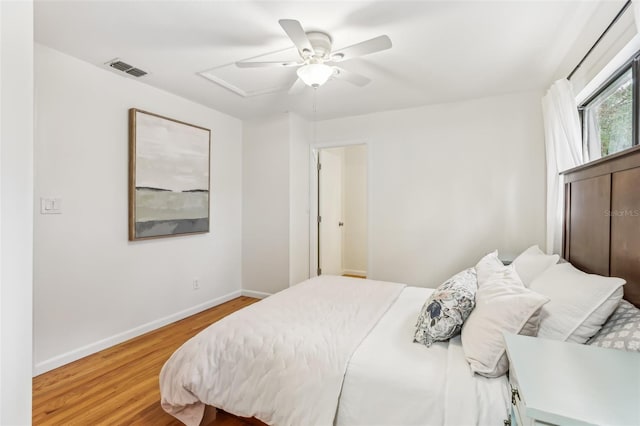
(602, 218)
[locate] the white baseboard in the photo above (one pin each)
(354, 272)
(76, 354)
(256, 294)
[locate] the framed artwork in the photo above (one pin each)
(168, 176)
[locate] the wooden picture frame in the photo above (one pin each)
(169, 183)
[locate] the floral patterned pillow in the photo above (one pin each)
(621, 331)
(447, 308)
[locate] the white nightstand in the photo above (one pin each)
(562, 383)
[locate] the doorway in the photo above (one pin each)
(342, 225)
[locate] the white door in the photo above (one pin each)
(330, 207)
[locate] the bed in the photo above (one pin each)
(347, 356)
(342, 352)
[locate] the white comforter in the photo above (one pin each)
(281, 360)
(391, 381)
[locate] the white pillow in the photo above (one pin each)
(488, 265)
(532, 262)
(580, 302)
(503, 304)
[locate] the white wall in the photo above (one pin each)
(354, 252)
(265, 205)
(449, 183)
(299, 138)
(93, 288)
(275, 207)
(16, 206)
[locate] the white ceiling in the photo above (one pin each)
(443, 51)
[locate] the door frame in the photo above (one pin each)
(313, 199)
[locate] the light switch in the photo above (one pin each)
(50, 206)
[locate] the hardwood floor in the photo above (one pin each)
(119, 386)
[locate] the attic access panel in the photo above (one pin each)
(249, 82)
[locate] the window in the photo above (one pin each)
(609, 117)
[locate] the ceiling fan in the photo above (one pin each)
(317, 59)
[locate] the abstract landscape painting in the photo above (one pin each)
(168, 177)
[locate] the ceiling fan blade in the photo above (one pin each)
(297, 87)
(373, 45)
(241, 64)
(352, 77)
(297, 35)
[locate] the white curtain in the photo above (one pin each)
(592, 145)
(564, 151)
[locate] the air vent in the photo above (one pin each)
(125, 67)
(121, 66)
(136, 72)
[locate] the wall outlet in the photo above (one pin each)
(50, 205)
(196, 284)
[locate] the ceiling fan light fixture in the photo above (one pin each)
(315, 75)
